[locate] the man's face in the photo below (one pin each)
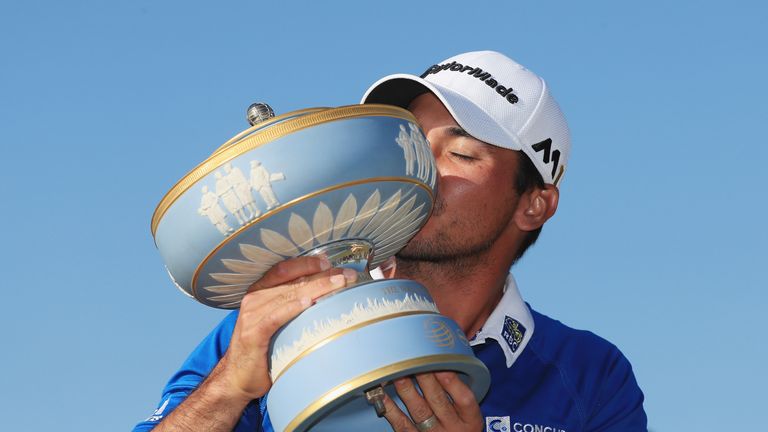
(475, 189)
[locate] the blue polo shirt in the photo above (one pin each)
(545, 376)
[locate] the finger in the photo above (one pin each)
(305, 290)
(263, 312)
(396, 417)
(314, 287)
(439, 403)
(298, 286)
(288, 270)
(259, 322)
(463, 399)
(256, 323)
(417, 406)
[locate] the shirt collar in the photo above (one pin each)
(510, 324)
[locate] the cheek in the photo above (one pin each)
(460, 195)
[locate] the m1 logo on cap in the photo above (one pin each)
(546, 146)
(505, 92)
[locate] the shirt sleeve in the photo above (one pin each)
(618, 405)
(192, 373)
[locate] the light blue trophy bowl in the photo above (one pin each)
(355, 183)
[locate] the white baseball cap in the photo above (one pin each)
(494, 99)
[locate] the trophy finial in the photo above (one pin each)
(258, 112)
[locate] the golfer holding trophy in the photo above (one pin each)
(366, 250)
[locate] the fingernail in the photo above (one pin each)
(350, 275)
(325, 264)
(338, 280)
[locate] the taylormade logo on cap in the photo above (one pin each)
(477, 73)
(495, 100)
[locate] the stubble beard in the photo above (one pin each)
(455, 249)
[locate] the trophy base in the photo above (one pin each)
(325, 360)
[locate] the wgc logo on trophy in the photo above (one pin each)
(356, 183)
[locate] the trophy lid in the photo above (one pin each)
(264, 132)
(358, 177)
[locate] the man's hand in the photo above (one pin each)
(447, 404)
(242, 375)
(285, 291)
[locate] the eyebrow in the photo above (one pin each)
(458, 131)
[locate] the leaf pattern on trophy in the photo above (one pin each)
(398, 223)
(408, 230)
(399, 240)
(235, 278)
(345, 217)
(384, 212)
(322, 223)
(259, 255)
(388, 225)
(397, 243)
(394, 217)
(366, 213)
(300, 232)
(246, 267)
(237, 296)
(277, 243)
(227, 289)
(405, 232)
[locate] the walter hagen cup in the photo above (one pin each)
(356, 183)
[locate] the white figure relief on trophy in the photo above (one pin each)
(419, 147)
(416, 150)
(236, 193)
(242, 189)
(388, 223)
(261, 181)
(404, 141)
(209, 207)
(374, 309)
(226, 192)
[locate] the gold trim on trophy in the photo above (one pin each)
(371, 377)
(341, 333)
(231, 150)
(292, 203)
(265, 123)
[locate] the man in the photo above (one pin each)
(501, 146)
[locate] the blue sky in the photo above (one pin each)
(658, 244)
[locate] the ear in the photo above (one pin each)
(535, 207)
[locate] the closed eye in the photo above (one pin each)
(463, 156)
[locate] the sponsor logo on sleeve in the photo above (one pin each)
(158, 414)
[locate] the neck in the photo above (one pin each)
(465, 290)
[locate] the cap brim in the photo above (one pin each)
(402, 89)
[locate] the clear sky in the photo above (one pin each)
(658, 244)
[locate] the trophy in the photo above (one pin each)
(354, 183)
